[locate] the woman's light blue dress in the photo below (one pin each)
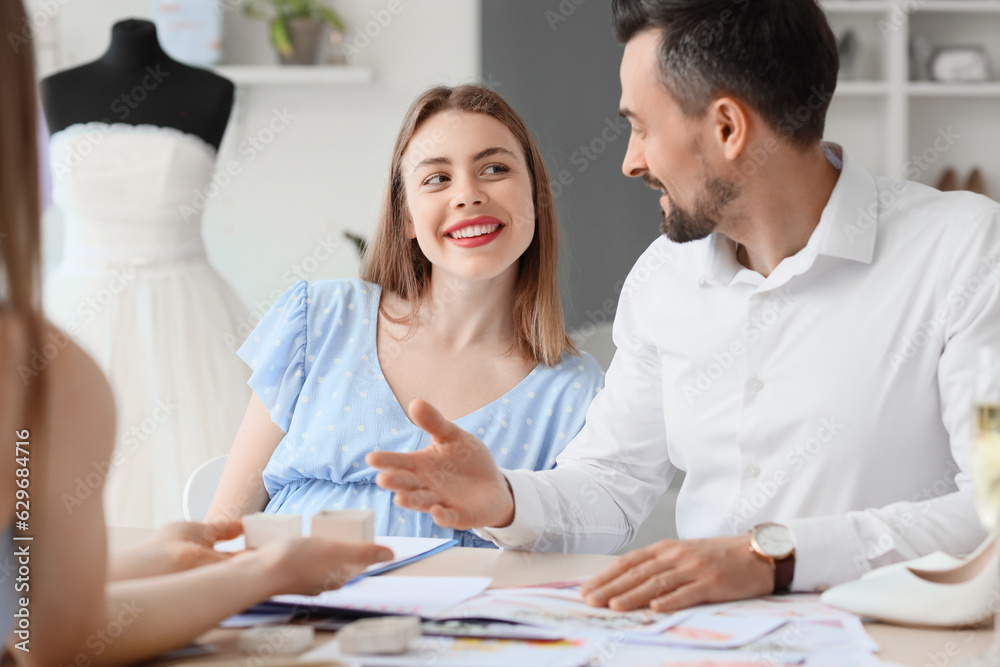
(315, 366)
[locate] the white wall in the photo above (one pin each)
(325, 172)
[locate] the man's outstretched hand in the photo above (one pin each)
(454, 478)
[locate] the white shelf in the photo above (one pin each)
(855, 6)
(940, 89)
(861, 88)
(881, 7)
(296, 75)
(971, 6)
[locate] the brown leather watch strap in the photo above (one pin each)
(784, 572)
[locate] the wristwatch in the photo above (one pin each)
(773, 543)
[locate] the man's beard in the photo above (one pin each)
(681, 226)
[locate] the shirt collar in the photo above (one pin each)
(847, 227)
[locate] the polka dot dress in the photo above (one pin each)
(315, 366)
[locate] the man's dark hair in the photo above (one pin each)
(778, 56)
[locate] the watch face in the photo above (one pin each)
(774, 540)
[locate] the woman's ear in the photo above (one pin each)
(411, 231)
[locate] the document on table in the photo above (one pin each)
(716, 631)
(561, 609)
(449, 652)
(405, 550)
(428, 597)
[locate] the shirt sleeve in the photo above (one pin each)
(609, 477)
(831, 550)
(276, 353)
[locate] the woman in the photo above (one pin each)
(57, 416)
(459, 305)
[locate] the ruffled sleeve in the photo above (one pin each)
(276, 353)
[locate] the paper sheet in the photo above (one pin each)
(561, 609)
(448, 652)
(405, 550)
(717, 631)
(421, 596)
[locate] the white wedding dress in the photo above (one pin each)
(136, 291)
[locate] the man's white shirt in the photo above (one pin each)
(833, 396)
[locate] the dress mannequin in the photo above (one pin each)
(135, 138)
(136, 82)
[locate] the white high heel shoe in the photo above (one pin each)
(957, 596)
(938, 560)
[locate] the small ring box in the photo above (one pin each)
(385, 635)
(344, 525)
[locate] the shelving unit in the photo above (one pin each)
(291, 75)
(884, 118)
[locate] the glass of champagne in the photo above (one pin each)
(986, 468)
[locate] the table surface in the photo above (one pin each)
(904, 646)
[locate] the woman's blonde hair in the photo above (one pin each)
(395, 262)
(20, 204)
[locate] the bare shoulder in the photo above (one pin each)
(78, 399)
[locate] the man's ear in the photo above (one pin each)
(730, 126)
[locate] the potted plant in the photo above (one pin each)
(295, 26)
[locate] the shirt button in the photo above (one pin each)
(756, 384)
(753, 471)
(765, 295)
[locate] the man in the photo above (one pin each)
(802, 341)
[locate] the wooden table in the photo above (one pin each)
(905, 646)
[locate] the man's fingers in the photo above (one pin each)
(628, 581)
(399, 480)
(386, 460)
(419, 500)
(619, 567)
(653, 587)
(425, 416)
(448, 518)
(688, 595)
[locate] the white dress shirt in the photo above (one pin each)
(833, 396)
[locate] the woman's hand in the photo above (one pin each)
(174, 547)
(311, 565)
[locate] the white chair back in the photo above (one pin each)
(201, 486)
